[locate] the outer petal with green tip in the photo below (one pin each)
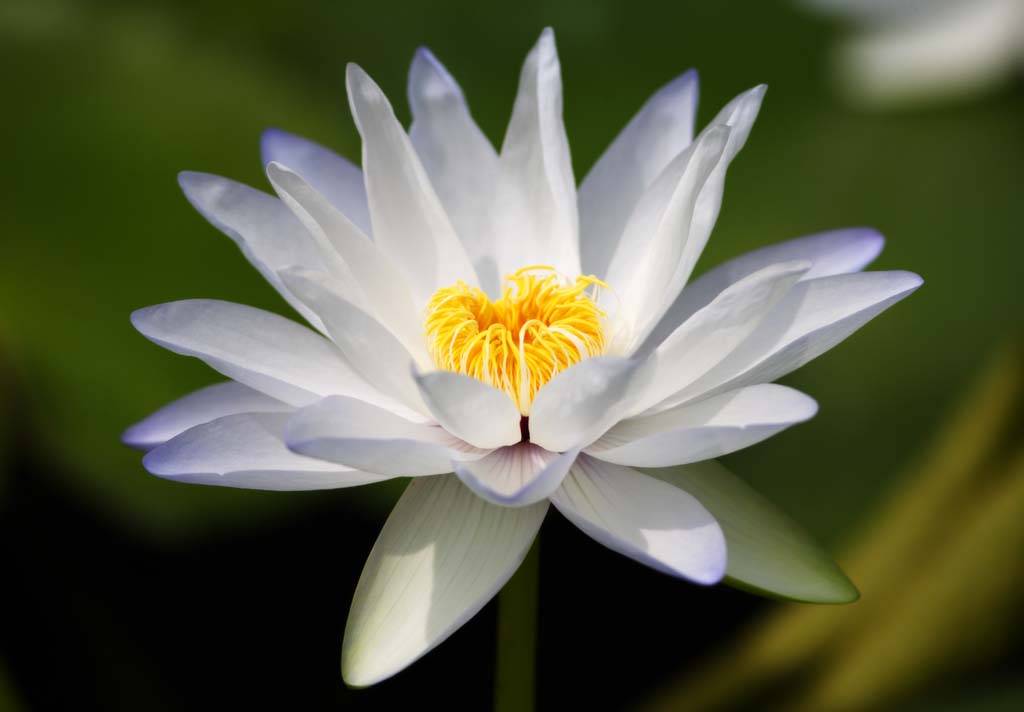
(768, 553)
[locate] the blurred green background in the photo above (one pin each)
(105, 102)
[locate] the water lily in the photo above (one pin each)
(510, 342)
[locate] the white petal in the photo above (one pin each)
(409, 223)
(535, 219)
(336, 178)
(246, 450)
(708, 428)
(516, 476)
(833, 252)
(658, 132)
(381, 289)
(578, 405)
(266, 231)
(739, 115)
(813, 317)
(470, 409)
(357, 434)
(653, 244)
(441, 556)
(712, 333)
(196, 408)
(768, 552)
(264, 351)
(372, 351)
(644, 519)
(461, 163)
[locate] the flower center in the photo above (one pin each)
(542, 324)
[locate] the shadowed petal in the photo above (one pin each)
(443, 553)
(336, 178)
(517, 475)
(357, 434)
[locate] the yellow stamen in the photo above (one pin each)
(541, 325)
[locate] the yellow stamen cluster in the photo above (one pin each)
(541, 325)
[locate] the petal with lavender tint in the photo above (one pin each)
(833, 252)
(246, 450)
(813, 317)
(198, 407)
(643, 518)
(336, 178)
(264, 351)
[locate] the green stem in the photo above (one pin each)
(515, 679)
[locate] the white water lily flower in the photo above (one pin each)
(510, 342)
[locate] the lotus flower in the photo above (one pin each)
(510, 342)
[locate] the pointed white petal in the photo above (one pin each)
(461, 163)
(409, 224)
(268, 234)
(708, 428)
(813, 317)
(768, 552)
(442, 555)
(372, 351)
(833, 252)
(196, 408)
(264, 351)
(644, 519)
(739, 116)
(470, 409)
(578, 405)
(535, 219)
(246, 450)
(659, 131)
(654, 241)
(379, 287)
(516, 476)
(354, 433)
(712, 333)
(336, 178)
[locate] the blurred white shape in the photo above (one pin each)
(912, 52)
